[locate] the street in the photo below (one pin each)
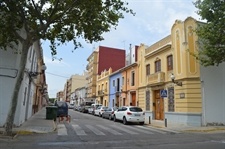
(86, 131)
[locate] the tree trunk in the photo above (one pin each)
(14, 99)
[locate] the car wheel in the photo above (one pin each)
(142, 123)
(110, 117)
(100, 115)
(124, 121)
(114, 118)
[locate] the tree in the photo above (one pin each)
(211, 33)
(59, 21)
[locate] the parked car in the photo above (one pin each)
(84, 109)
(70, 106)
(62, 108)
(94, 106)
(129, 114)
(100, 110)
(109, 112)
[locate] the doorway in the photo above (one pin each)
(159, 106)
(133, 98)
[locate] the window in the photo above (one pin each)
(170, 62)
(25, 95)
(158, 66)
(122, 80)
(171, 99)
(147, 69)
(113, 82)
(132, 78)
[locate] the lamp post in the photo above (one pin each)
(175, 82)
(35, 74)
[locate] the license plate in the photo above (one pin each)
(137, 115)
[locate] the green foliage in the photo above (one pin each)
(211, 34)
(58, 21)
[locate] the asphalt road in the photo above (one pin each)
(86, 131)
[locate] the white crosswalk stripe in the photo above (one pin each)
(62, 131)
(124, 129)
(139, 130)
(152, 129)
(101, 130)
(109, 130)
(78, 130)
(95, 130)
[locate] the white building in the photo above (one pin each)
(9, 68)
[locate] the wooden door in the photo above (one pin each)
(159, 109)
(133, 97)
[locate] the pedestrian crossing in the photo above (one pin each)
(103, 130)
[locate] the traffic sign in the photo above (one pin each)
(163, 93)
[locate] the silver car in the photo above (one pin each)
(109, 112)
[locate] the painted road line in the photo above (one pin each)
(95, 130)
(151, 129)
(109, 130)
(124, 129)
(79, 130)
(139, 130)
(62, 130)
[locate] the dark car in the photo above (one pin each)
(62, 108)
(84, 109)
(108, 113)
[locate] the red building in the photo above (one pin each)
(110, 57)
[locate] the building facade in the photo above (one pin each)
(75, 81)
(33, 88)
(103, 87)
(100, 60)
(169, 57)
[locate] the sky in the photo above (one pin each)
(152, 22)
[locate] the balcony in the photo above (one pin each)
(101, 93)
(156, 79)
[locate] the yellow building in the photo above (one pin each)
(102, 91)
(169, 77)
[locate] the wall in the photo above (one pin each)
(213, 90)
(9, 67)
(112, 92)
(110, 57)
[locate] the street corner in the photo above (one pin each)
(7, 137)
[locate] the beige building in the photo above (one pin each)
(75, 81)
(176, 100)
(92, 74)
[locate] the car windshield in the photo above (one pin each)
(135, 109)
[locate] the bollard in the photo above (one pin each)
(149, 119)
(165, 122)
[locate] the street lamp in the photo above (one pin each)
(34, 74)
(175, 82)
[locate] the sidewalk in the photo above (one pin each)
(189, 129)
(36, 124)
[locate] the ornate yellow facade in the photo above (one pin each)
(156, 65)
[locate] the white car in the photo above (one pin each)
(129, 114)
(91, 110)
(100, 110)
